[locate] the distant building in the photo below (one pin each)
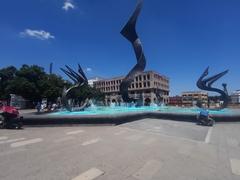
(175, 101)
(191, 98)
(145, 86)
(18, 101)
(235, 97)
(93, 80)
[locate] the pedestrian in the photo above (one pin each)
(38, 107)
(204, 118)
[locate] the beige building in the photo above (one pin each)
(192, 97)
(145, 87)
(235, 97)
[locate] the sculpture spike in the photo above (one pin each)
(80, 70)
(69, 75)
(213, 79)
(74, 74)
(206, 84)
(129, 32)
(79, 80)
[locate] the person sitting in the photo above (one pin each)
(204, 118)
(38, 107)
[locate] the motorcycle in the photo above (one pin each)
(10, 118)
(205, 121)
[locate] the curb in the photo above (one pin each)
(49, 119)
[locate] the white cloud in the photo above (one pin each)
(68, 4)
(38, 34)
(89, 69)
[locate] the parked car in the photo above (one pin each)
(10, 117)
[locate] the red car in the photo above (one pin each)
(9, 117)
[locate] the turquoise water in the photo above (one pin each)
(121, 110)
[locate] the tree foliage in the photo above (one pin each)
(34, 84)
(30, 82)
(6, 75)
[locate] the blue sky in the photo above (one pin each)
(180, 38)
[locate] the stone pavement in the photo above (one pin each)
(26, 111)
(149, 149)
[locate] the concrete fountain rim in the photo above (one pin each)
(117, 119)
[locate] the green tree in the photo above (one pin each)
(6, 75)
(32, 73)
(30, 82)
(51, 87)
(26, 82)
(21, 86)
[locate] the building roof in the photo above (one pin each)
(122, 77)
(237, 92)
(194, 92)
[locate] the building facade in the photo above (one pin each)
(93, 80)
(235, 97)
(18, 101)
(191, 98)
(145, 87)
(175, 101)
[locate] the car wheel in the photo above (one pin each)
(2, 122)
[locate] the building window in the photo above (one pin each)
(144, 84)
(132, 85)
(140, 78)
(148, 84)
(144, 77)
(136, 85)
(140, 85)
(136, 78)
(148, 76)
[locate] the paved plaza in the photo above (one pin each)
(148, 149)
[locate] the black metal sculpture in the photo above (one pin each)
(129, 32)
(159, 97)
(206, 84)
(79, 80)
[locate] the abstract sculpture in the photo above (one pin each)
(79, 80)
(206, 84)
(129, 32)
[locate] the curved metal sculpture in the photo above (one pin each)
(159, 97)
(204, 83)
(129, 32)
(79, 80)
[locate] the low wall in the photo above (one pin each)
(49, 119)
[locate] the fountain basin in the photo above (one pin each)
(120, 115)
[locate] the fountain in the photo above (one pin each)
(112, 105)
(128, 110)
